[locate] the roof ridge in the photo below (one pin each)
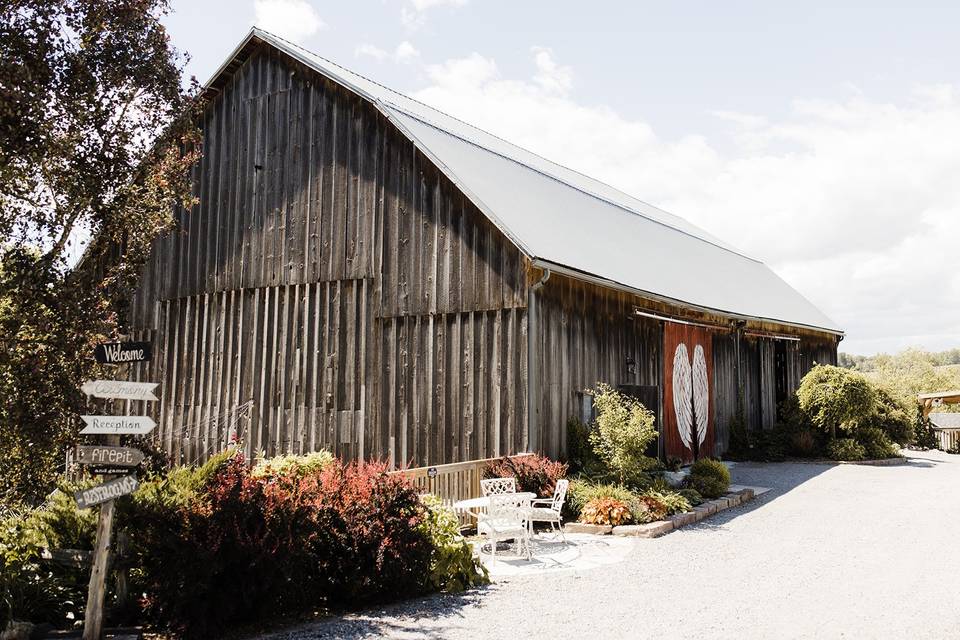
(627, 209)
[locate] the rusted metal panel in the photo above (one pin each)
(688, 414)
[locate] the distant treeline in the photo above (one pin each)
(874, 362)
(910, 372)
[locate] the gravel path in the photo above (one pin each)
(832, 552)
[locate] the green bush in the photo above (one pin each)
(845, 449)
(835, 398)
(892, 417)
(876, 444)
(623, 431)
(709, 477)
(286, 465)
(36, 590)
(924, 436)
(692, 496)
(453, 567)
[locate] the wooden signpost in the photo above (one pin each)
(110, 457)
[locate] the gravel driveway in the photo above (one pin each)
(833, 551)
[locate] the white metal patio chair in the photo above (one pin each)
(505, 519)
(498, 486)
(549, 509)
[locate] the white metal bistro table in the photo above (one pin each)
(474, 505)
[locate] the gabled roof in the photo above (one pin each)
(945, 420)
(563, 219)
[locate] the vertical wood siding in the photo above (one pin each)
(586, 335)
(332, 287)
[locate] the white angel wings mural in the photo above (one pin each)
(691, 395)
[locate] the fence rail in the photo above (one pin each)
(452, 482)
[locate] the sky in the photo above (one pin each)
(819, 137)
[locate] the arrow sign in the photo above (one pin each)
(122, 352)
(110, 456)
(93, 496)
(120, 390)
(136, 425)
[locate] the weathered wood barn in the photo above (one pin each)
(366, 274)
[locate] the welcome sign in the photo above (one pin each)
(123, 352)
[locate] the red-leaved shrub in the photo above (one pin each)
(534, 473)
(243, 549)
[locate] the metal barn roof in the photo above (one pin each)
(562, 218)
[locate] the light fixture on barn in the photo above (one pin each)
(631, 366)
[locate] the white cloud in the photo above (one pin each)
(404, 53)
(294, 20)
(854, 202)
(413, 14)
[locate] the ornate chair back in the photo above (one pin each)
(560, 494)
(498, 486)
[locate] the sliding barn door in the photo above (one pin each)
(688, 429)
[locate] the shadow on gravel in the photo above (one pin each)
(402, 619)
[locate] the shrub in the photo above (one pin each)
(834, 397)
(623, 431)
(803, 443)
(647, 508)
(692, 496)
(292, 465)
(580, 454)
(845, 449)
(453, 566)
(32, 589)
(581, 492)
(924, 436)
(673, 501)
(876, 444)
(605, 511)
(710, 478)
(892, 417)
(536, 474)
(238, 548)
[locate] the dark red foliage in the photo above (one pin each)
(534, 473)
(246, 549)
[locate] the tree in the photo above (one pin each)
(624, 430)
(835, 397)
(97, 140)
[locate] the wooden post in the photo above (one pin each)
(96, 592)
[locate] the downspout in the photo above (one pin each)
(533, 366)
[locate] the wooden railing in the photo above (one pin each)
(452, 482)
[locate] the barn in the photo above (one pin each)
(365, 274)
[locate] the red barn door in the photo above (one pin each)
(688, 429)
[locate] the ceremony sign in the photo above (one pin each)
(120, 390)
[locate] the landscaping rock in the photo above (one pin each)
(595, 529)
(683, 519)
(649, 530)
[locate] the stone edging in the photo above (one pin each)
(882, 462)
(661, 527)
